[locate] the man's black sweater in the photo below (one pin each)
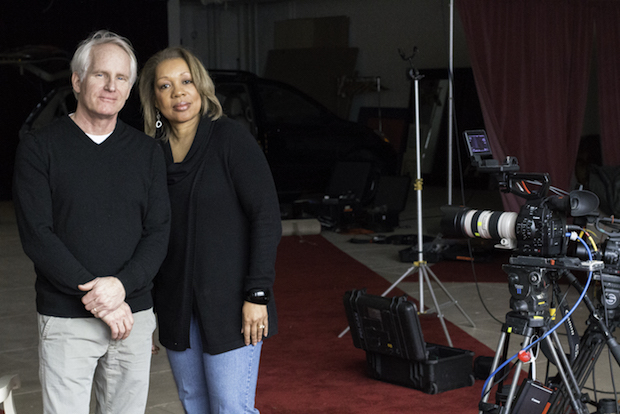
(86, 210)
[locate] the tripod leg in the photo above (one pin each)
(500, 346)
(565, 362)
(424, 274)
(515, 379)
(591, 346)
(586, 361)
(454, 301)
(400, 279)
(577, 405)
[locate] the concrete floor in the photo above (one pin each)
(18, 334)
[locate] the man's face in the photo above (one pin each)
(105, 87)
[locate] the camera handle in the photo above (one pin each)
(516, 183)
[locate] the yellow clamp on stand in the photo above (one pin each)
(419, 263)
(417, 185)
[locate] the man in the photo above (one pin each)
(93, 214)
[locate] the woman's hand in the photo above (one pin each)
(255, 323)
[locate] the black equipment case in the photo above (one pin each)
(388, 329)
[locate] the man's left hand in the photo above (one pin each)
(120, 322)
(105, 295)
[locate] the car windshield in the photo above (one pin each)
(283, 106)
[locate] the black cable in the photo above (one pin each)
(506, 372)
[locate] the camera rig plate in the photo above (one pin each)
(570, 263)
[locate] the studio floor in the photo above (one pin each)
(18, 332)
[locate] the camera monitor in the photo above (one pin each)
(481, 156)
(478, 144)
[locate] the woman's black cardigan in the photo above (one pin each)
(224, 237)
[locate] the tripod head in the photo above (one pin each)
(530, 290)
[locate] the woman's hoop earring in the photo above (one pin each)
(158, 123)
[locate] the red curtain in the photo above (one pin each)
(530, 60)
(607, 27)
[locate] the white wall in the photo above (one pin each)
(239, 36)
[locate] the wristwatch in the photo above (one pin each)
(258, 296)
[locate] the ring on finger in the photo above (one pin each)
(262, 327)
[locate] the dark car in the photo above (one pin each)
(302, 140)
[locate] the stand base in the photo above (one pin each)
(425, 270)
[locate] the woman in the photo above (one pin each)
(213, 294)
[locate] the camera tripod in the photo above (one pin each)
(530, 326)
(591, 346)
(530, 318)
(601, 324)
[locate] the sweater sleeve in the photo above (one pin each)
(257, 193)
(33, 207)
(150, 252)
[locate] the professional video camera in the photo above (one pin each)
(539, 229)
(539, 236)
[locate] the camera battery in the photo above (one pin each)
(533, 398)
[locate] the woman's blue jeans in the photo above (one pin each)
(215, 384)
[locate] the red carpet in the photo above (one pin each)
(306, 368)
